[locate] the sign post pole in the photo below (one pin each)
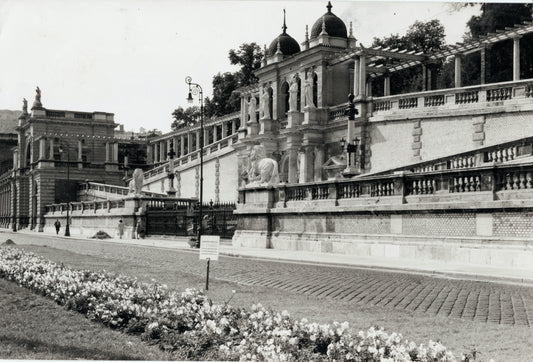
(209, 250)
(207, 275)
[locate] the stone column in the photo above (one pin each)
(293, 166)
(189, 142)
(149, 154)
(80, 150)
(115, 152)
(107, 152)
(198, 139)
(51, 148)
(458, 81)
(516, 59)
(356, 75)
(362, 76)
(162, 151)
(483, 71)
(42, 149)
(215, 134)
(182, 145)
(233, 127)
(224, 129)
(386, 85)
(168, 149)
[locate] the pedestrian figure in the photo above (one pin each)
(120, 228)
(138, 229)
(57, 224)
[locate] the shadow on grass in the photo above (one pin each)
(70, 352)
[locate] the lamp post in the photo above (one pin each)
(171, 191)
(61, 150)
(196, 89)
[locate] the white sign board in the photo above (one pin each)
(209, 247)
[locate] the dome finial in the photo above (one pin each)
(278, 51)
(284, 25)
(306, 32)
(324, 32)
(351, 30)
(329, 6)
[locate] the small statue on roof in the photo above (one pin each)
(37, 102)
(24, 105)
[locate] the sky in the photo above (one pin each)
(131, 57)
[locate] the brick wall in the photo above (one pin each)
(462, 224)
(513, 224)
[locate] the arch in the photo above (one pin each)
(284, 99)
(27, 160)
(271, 102)
(315, 89)
(284, 168)
(299, 98)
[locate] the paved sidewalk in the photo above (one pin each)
(435, 268)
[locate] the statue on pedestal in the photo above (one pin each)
(309, 92)
(265, 104)
(24, 105)
(263, 171)
(136, 182)
(293, 95)
(37, 102)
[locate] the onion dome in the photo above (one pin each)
(284, 43)
(332, 25)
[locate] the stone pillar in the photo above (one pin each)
(356, 75)
(516, 59)
(483, 71)
(293, 166)
(115, 152)
(386, 85)
(80, 150)
(233, 127)
(215, 137)
(362, 76)
(319, 161)
(149, 154)
(424, 78)
(189, 142)
(458, 81)
(168, 149)
(42, 149)
(107, 152)
(162, 152)
(51, 148)
(307, 164)
(182, 145)
(224, 129)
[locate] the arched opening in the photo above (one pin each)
(284, 169)
(270, 102)
(315, 89)
(28, 154)
(284, 99)
(299, 98)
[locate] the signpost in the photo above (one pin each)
(209, 250)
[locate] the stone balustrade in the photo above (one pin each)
(465, 96)
(99, 190)
(193, 156)
(338, 112)
(489, 183)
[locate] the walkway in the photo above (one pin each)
(326, 276)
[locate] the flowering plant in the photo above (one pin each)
(190, 323)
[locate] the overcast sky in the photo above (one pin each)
(131, 57)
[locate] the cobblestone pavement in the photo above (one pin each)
(478, 301)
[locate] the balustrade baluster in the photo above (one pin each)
(499, 156)
(522, 183)
(508, 182)
(516, 184)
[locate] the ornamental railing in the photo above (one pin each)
(482, 184)
(471, 96)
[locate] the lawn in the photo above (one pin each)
(509, 343)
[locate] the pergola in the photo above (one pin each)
(378, 61)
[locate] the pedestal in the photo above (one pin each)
(294, 119)
(253, 128)
(265, 125)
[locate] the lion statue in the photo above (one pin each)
(263, 170)
(136, 182)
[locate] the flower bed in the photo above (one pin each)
(190, 323)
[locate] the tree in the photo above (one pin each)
(185, 117)
(423, 37)
(248, 57)
(224, 99)
(498, 16)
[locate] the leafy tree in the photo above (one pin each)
(497, 16)
(421, 37)
(185, 117)
(224, 100)
(248, 57)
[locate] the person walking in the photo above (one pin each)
(120, 228)
(57, 224)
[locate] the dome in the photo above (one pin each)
(287, 45)
(334, 25)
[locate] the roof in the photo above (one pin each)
(334, 26)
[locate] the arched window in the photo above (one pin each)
(299, 98)
(315, 89)
(284, 94)
(270, 101)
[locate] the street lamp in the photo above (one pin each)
(196, 89)
(61, 150)
(171, 191)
